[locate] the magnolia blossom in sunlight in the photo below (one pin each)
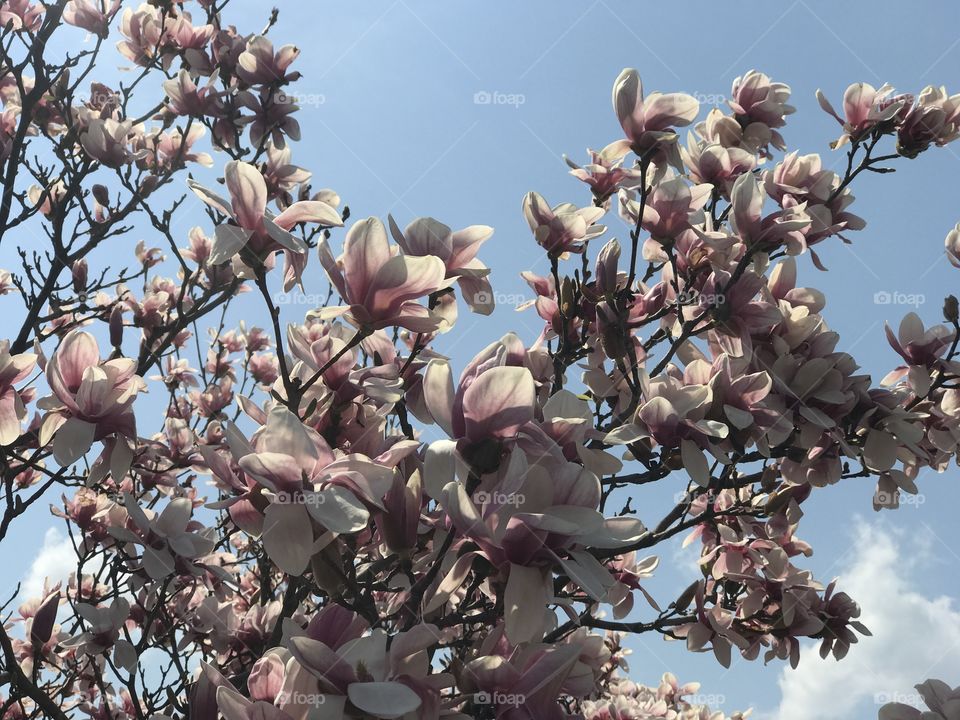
(91, 15)
(605, 172)
(649, 122)
(92, 398)
(253, 226)
(309, 484)
(425, 237)
(13, 369)
(380, 284)
(564, 228)
(864, 106)
(760, 106)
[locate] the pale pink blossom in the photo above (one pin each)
(92, 398)
(13, 369)
(649, 122)
(380, 285)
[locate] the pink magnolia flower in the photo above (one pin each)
(264, 685)
(192, 39)
(21, 15)
(863, 107)
(309, 484)
(458, 250)
(668, 209)
(628, 572)
(933, 119)
(92, 15)
(7, 285)
(759, 106)
(740, 311)
(185, 98)
(273, 114)
(166, 151)
(804, 189)
(737, 396)
(253, 226)
(92, 398)
(710, 162)
(605, 173)
(943, 703)
(674, 410)
(525, 520)
(527, 690)
(649, 122)
(41, 616)
(748, 221)
(380, 285)
(564, 228)
(143, 30)
(13, 369)
(952, 244)
(920, 348)
(758, 98)
(339, 659)
(108, 141)
(172, 541)
(495, 396)
(258, 64)
(283, 176)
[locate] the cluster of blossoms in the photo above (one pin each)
(330, 521)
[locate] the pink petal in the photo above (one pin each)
(399, 279)
(248, 193)
(499, 402)
(365, 251)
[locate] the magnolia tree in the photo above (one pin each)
(324, 517)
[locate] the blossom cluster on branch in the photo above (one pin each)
(330, 518)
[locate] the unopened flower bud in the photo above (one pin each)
(148, 185)
(116, 326)
(101, 195)
(44, 619)
(951, 312)
(79, 271)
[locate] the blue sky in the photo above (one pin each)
(394, 119)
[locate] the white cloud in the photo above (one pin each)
(56, 560)
(915, 637)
